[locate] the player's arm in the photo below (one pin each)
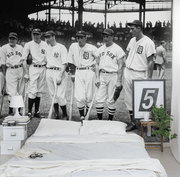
(97, 71)
(150, 66)
(120, 63)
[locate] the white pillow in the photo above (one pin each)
(52, 127)
(102, 127)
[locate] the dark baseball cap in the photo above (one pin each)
(36, 31)
(108, 32)
(81, 34)
(135, 22)
(49, 33)
(13, 35)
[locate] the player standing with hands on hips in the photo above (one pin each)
(56, 75)
(139, 63)
(109, 68)
(37, 71)
(13, 63)
(82, 55)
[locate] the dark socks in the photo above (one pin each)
(37, 103)
(30, 104)
(64, 110)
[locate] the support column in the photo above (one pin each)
(105, 14)
(80, 14)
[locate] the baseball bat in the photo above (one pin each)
(71, 103)
(25, 96)
(90, 107)
(52, 103)
(2, 100)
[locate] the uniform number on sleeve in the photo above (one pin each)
(149, 98)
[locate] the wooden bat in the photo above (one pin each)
(25, 96)
(90, 107)
(52, 103)
(71, 103)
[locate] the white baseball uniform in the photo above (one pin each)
(160, 55)
(2, 79)
(108, 68)
(37, 70)
(83, 58)
(56, 58)
(12, 58)
(136, 64)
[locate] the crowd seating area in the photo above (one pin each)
(65, 32)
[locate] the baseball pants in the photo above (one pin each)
(15, 81)
(130, 75)
(51, 76)
(37, 81)
(106, 90)
(2, 80)
(84, 87)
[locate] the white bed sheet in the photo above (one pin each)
(86, 155)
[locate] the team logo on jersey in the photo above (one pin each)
(86, 55)
(42, 51)
(140, 49)
(56, 55)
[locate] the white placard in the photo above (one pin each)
(147, 93)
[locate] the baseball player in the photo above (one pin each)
(82, 55)
(36, 71)
(13, 63)
(55, 73)
(160, 60)
(139, 63)
(2, 78)
(109, 74)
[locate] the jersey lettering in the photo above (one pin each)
(10, 54)
(111, 55)
(140, 49)
(85, 55)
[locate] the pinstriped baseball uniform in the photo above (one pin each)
(2, 78)
(12, 58)
(83, 58)
(56, 58)
(37, 70)
(136, 64)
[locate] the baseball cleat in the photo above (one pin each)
(131, 127)
(30, 115)
(56, 116)
(38, 115)
(65, 118)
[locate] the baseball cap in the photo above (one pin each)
(13, 35)
(36, 31)
(81, 34)
(49, 33)
(109, 32)
(135, 22)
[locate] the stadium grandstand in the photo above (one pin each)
(15, 18)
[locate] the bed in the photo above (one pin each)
(89, 149)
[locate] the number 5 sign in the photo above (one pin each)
(147, 93)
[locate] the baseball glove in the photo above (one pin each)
(117, 92)
(29, 59)
(72, 68)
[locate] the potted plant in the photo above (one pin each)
(162, 118)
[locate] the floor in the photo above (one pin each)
(166, 158)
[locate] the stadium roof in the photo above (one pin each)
(22, 8)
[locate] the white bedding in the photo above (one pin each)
(86, 156)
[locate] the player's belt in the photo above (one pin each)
(104, 71)
(39, 66)
(54, 68)
(15, 66)
(83, 68)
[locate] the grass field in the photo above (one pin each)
(121, 112)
